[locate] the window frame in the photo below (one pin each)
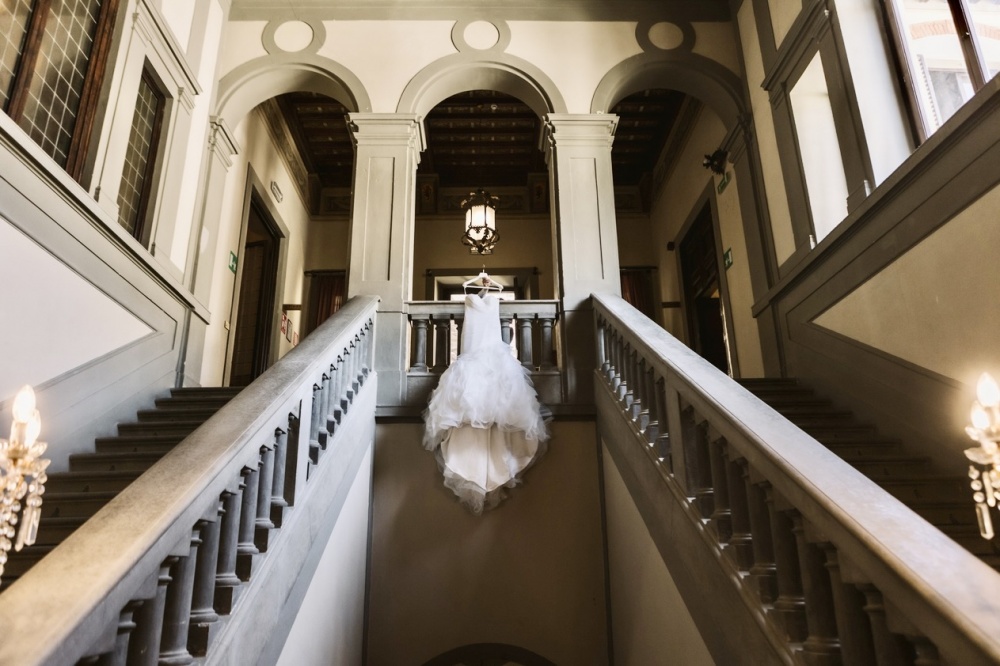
(97, 61)
(142, 230)
(972, 53)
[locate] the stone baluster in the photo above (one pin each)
(144, 644)
(245, 546)
(740, 549)
(126, 627)
(650, 422)
(320, 414)
(624, 390)
(663, 415)
(701, 471)
(890, 648)
(278, 502)
(177, 613)
(853, 627)
(442, 344)
(263, 524)
(356, 364)
(822, 646)
(720, 522)
(227, 583)
(789, 608)
(548, 361)
(506, 329)
(419, 323)
(614, 372)
(524, 351)
(315, 408)
(352, 359)
(763, 574)
(635, 384)
(204, 619)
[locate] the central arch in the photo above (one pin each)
(488, 71)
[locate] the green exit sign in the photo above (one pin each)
(232, 262)
(722, 183)
(727, 258)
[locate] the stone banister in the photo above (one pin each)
(528, 323)
(812, 561)
(148, 577)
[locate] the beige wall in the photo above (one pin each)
(529, 573)
(330, 625)
(675, 203)
(328, 246)
(525, 242)
(934, 305)
(649, 618)
(257, 152)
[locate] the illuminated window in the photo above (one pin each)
(950, 49)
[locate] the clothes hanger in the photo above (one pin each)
(485, 283)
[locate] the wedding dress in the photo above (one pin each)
(483, 419)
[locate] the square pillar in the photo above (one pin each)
(578, 151)
(387, 151)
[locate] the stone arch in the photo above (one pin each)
(486, 70)
(263, 78)
(695, 75)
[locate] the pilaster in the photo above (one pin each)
(387, 150)
(578, 151)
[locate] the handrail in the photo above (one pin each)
(253, 456)
(922, 593)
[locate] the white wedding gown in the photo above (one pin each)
(483, 419)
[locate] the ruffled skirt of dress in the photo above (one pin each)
(485, 423)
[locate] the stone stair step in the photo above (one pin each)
(165, 428)
(824, 421)
(205, 391)
(188, 401)
(137, 443)
(946, 515)
(90, 481)
(111, 462)
(864, 448)
(845, 432)
(184, 415)
(755, 383)
(900, 467)
(21, 561)
(810, 410)
(52, 531)
(74, 504)
(928, 488)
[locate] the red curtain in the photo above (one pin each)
(637, 289)
(327, 296)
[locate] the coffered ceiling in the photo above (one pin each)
(479, 138)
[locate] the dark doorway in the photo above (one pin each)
(326, 297)
(255, 314)
(702, 294)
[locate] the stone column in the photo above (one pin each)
(387, 150)
(578, 151)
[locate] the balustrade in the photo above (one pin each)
(533, 320)
(197, 561)
(831, 568)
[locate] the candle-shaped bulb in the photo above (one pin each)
(987, 391)
(24, 404)
(980, 419)
(34, 427)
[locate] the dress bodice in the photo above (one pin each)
(482, 322)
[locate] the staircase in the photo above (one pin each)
(943, 501)
(94, 479)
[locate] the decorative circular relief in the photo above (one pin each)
(666, 36)
(481, 35)
(293, 36)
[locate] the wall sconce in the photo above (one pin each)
(22, 476)
(716, 162)
(985, 429)
(480, 222)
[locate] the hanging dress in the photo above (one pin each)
(483, 419)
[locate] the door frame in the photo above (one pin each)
(254, 190)
(708, 198)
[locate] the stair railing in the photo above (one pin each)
(195, 557)
(770, 536)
